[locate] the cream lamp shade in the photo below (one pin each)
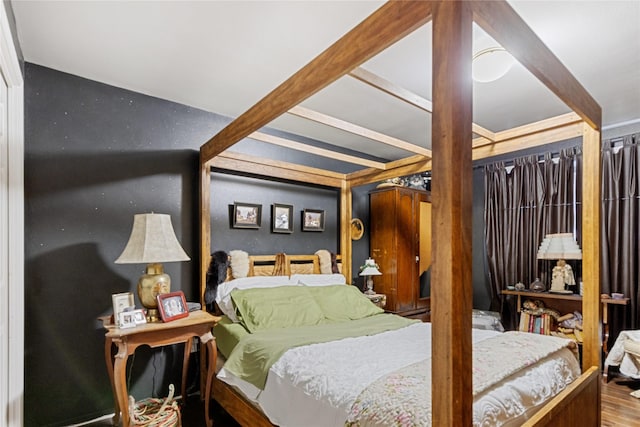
(152, 241)
(559, 246)
(370, 268)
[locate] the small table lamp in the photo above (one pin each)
(370, 268)
(153, 242)
(560, 246)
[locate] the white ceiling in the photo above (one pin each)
(223, 56)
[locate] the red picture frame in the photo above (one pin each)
(172, 306)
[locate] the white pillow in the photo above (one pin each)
(319, 279)
(223, 297)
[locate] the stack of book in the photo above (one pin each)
(536, 323)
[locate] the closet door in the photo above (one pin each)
(423, 292)
(407, 252)
(383, 243)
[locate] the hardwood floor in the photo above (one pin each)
(619, 408)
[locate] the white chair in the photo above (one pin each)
(625, 354)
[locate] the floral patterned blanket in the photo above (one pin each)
(403, 398)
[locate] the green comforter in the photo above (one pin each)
(253, 356)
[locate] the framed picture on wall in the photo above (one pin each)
(312, 220)
(246, 215)
(281, 218)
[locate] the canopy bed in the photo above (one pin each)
(450, 159)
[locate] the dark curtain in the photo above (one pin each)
(620, 240)
(523, 203)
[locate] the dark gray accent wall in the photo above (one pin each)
(95, 156)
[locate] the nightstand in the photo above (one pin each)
(378, 299)
(197, 325)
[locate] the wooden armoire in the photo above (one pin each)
(400, 242)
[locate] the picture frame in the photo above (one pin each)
(313, 220)
(126, 319)
(281, 218)
(121, 301)
(172, 306)
(139, 316)
(246, 215)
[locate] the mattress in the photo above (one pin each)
(319, 384)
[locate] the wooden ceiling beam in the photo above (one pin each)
(253, 165)
(530, 129)
(407, 96)
(306, 148)
(390, 23)
(539, 138)
(402, 167)
(336, 123)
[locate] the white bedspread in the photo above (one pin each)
(316, 385)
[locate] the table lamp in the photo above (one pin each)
(370, 268)
(153, 242)
(560, 246)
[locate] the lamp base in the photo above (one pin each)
(151, 284)
(153, 315)
(369, 290)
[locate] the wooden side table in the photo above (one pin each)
(569, 302)
(198, 324)
(605, 318)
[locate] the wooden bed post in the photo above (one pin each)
(205, 225)
(345, 229)
(591, 205)
(452, 212)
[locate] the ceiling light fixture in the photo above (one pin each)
(491, 63)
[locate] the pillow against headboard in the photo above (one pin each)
(319, 279)
(341, 302)
(223, 297)
(276, 308)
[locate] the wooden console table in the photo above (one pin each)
(197, 325)
(572, 301)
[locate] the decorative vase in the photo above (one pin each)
(537, 286)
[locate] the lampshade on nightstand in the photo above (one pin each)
(153, 242)
(370, 268)
(560, 246)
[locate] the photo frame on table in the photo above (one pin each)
(121, 301)
(172, 306)
(139, 316)
(313, 220)
(126, 319)
(246, 215)
(281, 218)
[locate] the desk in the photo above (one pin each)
(572, 300)
(198, 324)
(605, 321)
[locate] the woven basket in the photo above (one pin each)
(153, 412)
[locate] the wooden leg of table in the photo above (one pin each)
(120, 377)
(211, 350)
(108, 356)
(185, 368)
(605, 328)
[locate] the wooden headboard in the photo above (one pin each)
(284, 265)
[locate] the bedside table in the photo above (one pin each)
(198, 324)
(378, 299)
